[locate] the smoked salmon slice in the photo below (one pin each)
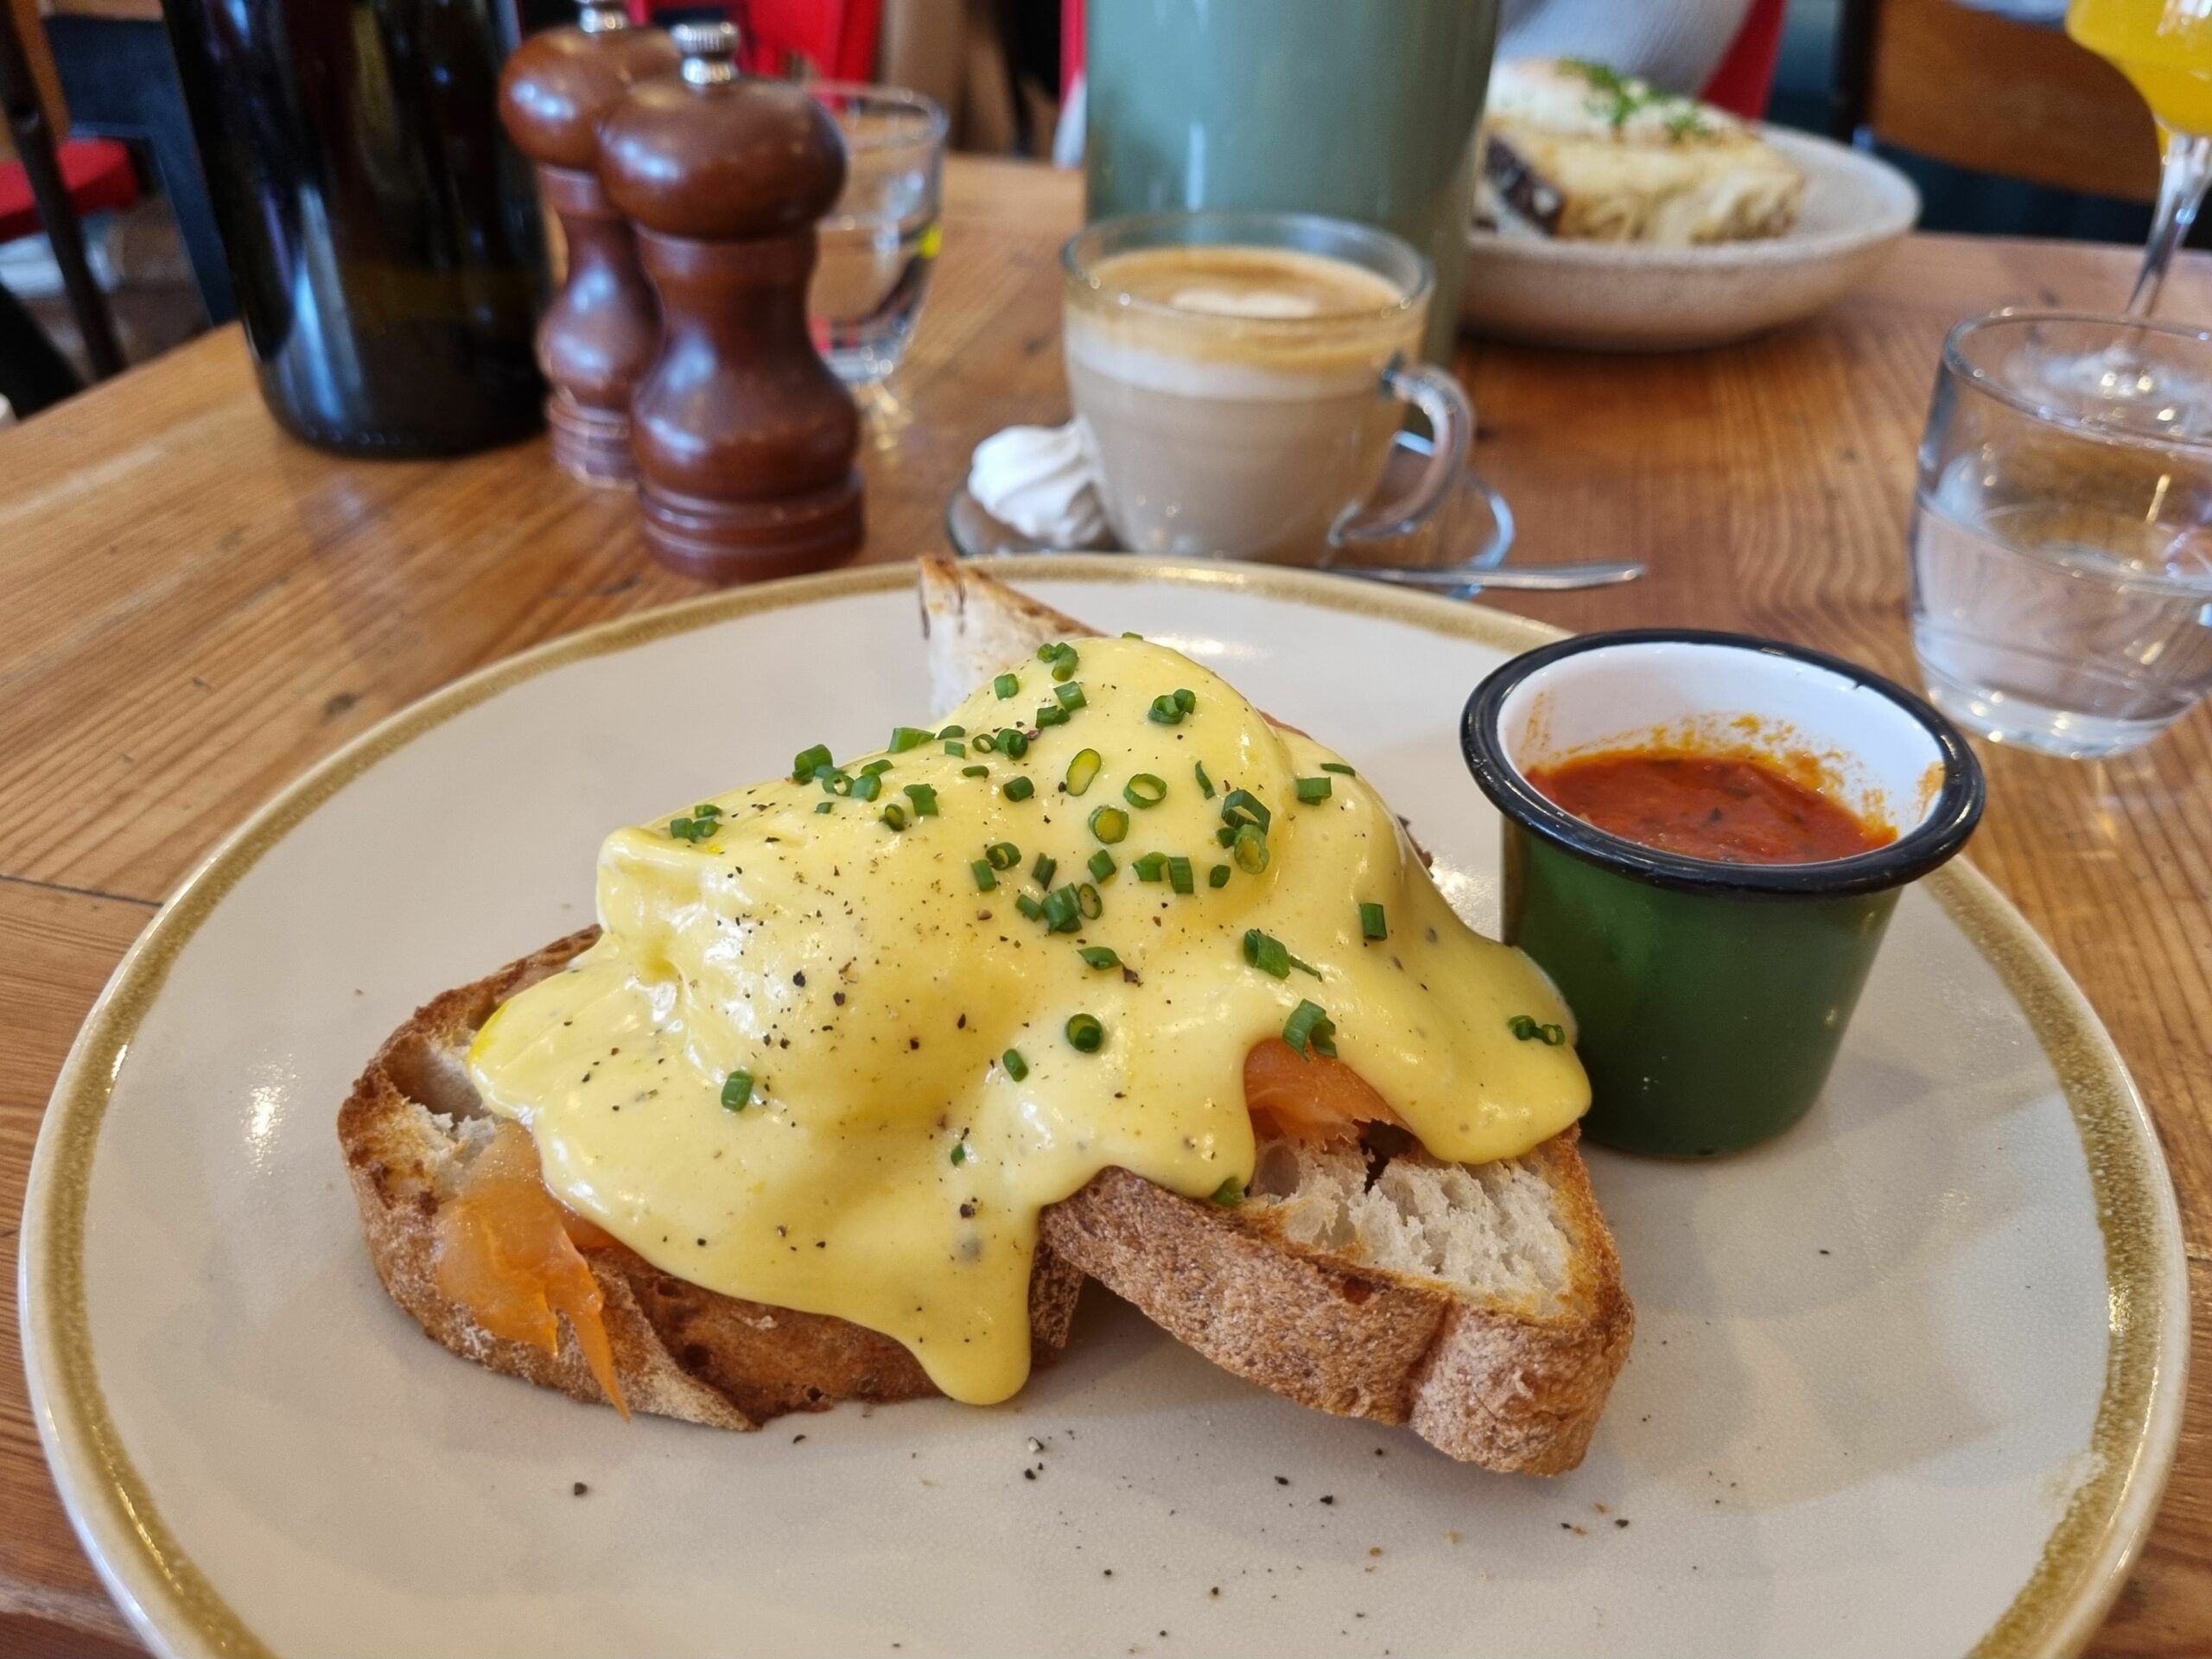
(1318, 1099)
(513, 1257)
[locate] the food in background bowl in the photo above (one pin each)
(1573, 150)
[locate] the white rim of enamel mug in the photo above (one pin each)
(1942, 828)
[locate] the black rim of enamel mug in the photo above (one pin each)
(1957, 807)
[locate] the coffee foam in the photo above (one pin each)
(1238, 322)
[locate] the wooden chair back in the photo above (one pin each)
(1977, 90)
(32, 33)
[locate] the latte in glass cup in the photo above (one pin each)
(1243, 393)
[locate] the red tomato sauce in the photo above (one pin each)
(1730, 809)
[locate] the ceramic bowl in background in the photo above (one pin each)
(1631, 296)
(1710, 998)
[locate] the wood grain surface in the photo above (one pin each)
(197, 607)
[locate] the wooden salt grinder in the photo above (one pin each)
(600, 336)
(744, 438)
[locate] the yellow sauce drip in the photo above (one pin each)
(890, 1171)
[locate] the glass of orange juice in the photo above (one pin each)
(2164, 47)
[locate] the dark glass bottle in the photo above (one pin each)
(385, 236)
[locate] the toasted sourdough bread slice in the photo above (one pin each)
(408, 1129)
(1482, 1305)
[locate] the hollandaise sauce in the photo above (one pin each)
(847, 1033)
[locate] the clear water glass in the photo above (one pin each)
(880, 241)
(2062, 531)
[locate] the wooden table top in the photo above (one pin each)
(198, 608)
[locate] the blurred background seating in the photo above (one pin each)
(2006, 126)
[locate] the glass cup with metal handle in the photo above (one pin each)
(2062, 531)
(1242, 376)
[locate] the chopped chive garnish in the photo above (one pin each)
(1007, 685)
(1553, 1035)
(1372, 924)
(1108, 824)
(710, 810)
(1339, 767)
(875, 768)
(825, 806)
(1131, 633)
(1083, 770)
(1310, 1031)
(1085, 1034)
(737, 1090)
(1151, 868)
(1064, 663)
(1242, 806)
(953, 731)
(1046, 652)
(1050, 713)
(1013, 742)
(868, 785)
(1217, 876)
(960, 1153)
(833, 780)
(1186, 699)
(953, 746)
(1525, 1027)
(1165, 711)
(1099, 955)
(1180, 877)
(805, 762)
(1088, 901)
(1312, 790)
(903, 738)
(895, 815)
(1041, 871)
(693, 830)
(983, 743)
(1002, 854)
(1016, 1067)
(1266, 952)
(1063, 909)
(1205, 784)
(924, 797)
(1101, 866)
(1225, 835)
(1018, 789)
(1250, 849)
(1146, 788)
(1029, 907)
(1070, 697)
(1230, 1193)
(974, 772)
(985, 880)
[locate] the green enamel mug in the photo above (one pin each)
(1710, 998)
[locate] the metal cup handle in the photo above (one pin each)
(1439, 395)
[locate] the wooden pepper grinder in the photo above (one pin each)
(601, 334)
(744, 438)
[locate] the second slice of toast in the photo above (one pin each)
(1482, 1305)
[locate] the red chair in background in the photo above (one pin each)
(44, 187)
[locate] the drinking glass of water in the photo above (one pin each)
(879, 240)
(2062, 531)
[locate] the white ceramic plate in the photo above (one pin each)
(1895, 1387)
(1621, 296)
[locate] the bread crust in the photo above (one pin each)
(1510, 1388)
(680, 1351)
